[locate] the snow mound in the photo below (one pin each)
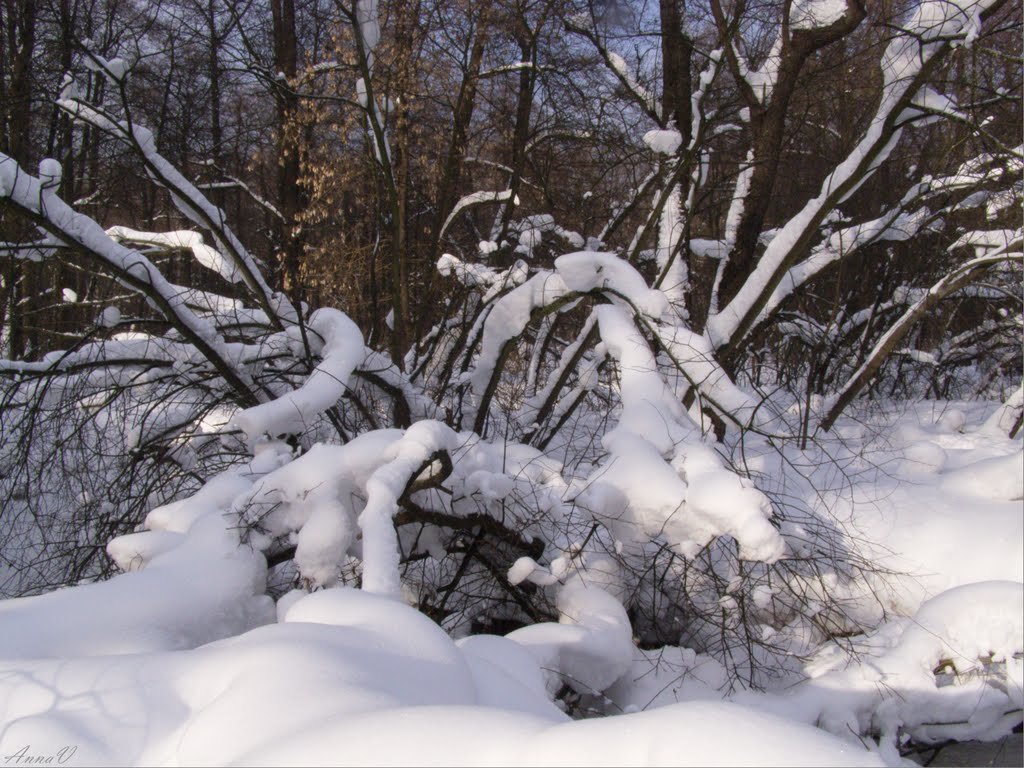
(351, 678)
(590, 647)
(999, 477)
(965, 624)
(956, 670)
(924, 457)
(196, 584)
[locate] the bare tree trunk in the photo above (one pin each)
(768, 114)
(291, 195)
(17, 46)
(448, 189)
(403, 245)
(521, 132)
(216, 130)
(676, 48)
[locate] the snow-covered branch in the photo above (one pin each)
(951, 282)
(41, 205)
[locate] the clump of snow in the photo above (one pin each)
(640, 739)
(117, 68)
(663, 142)
(114, 69)
(807, 14)
(509, 317)
(160, 604)
(467, 273)
(650, 410)
(474, 199)
(668, 675)
(955, 671)
(209, 257)
(133, 551)
(590, 647)
(965, 624)
(660, 480)
(720, 501)
(587, 271)
(574, 239)
(924, 457)
(110, 316)
(953, 420)
(531, 238)
(315, 499)
(50, 173)
(1007, 415)
(526, 568)
(492, 485)
(384, 487)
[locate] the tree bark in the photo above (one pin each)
(291, 194)
(768, 130)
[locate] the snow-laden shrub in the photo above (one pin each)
(563, 453)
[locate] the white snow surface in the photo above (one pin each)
(349, 678)
(967, 630)
(660, 479)
(179, 660)
(159, 604)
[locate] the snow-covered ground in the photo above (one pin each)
(186, 661)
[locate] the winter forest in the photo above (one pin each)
(510, 382)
